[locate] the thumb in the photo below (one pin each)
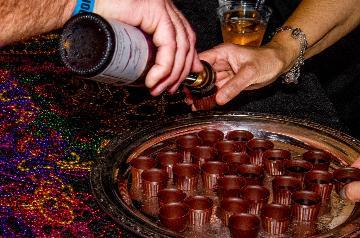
(351, 191)
(234, 86)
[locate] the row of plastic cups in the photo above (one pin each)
(186, 175)
(188, 146)
(276, 218)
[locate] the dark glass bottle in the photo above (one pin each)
(116, 53)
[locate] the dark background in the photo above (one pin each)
(329, 89)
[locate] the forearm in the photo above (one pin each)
(22, 19)
(323, 21)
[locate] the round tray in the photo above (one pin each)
(110, 176)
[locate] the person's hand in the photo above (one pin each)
(351, 191)
(241, 68)
(172, 35)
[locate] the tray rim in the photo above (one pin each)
(144, 230)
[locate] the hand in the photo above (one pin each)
(351, 191)
(172, 35)
(241, 68)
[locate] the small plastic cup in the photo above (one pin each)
(257, 148)
(232, 205)
(320, 159)
(210, 136)
(174, 216)
(254, 174)
(275, 218)
(138, 165)
(321, 182)
(283, 188)
(153, 180)
(170, 195)
(344, 176)
(200, 210)
(257, 196)
(186, 176)
(274, 161)
(185, 144)
(306, 206)
(244, 225)
(297, 168)
(202, 154)
(233, 159)
(211, 171)
(167, 161)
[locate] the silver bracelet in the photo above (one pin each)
(294, 73)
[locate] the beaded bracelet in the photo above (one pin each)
(294, 73)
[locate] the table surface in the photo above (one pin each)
(53, 125)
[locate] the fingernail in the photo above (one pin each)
(220, 99)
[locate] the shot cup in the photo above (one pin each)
(257, 148)
(274, 161)
(138, 165)
(306, 206)
(201, 154)
(200, 210)
(254, 174)
(186, 176)
(244, 225)
(283, 188)
(211, 171)
(230, 185)
(153, 180)
(344, 176)
(170, 195)
(297, 168)
(174, 216)
(233, 159)
(321, 182)
(275, 218)
(243, 23)
(226, 146)
(320, 159)
(210, 136)
(232, 205)
(167, 161)
(185, 144)
(239, 135)
(257, 196)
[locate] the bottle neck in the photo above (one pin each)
(203, 83)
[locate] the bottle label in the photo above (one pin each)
(130, 58)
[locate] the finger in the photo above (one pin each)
(356, 164)
(191, 55)
(164, 39)
(197, 66)
(209, 56)
(177, 84)
(233, 87)
(194, 62)
(351, 191)
(182, 49)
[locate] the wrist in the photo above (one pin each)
(287, 49)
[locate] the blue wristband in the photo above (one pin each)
(84, 6)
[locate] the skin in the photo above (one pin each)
(172, 34)
(352, 190)
(241, 68)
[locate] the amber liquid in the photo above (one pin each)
(242, 30)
